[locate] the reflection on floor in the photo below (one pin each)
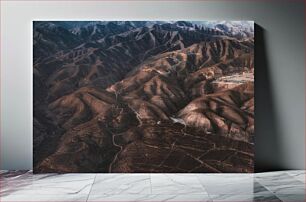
(273, 186)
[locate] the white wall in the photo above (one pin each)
(280, 111)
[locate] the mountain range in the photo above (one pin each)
(143, 96)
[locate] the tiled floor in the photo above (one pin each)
(273, 186)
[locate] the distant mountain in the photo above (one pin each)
(53, 36)
(238, 29)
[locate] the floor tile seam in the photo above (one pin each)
(91, 188)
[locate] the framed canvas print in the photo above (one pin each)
(143, 96)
